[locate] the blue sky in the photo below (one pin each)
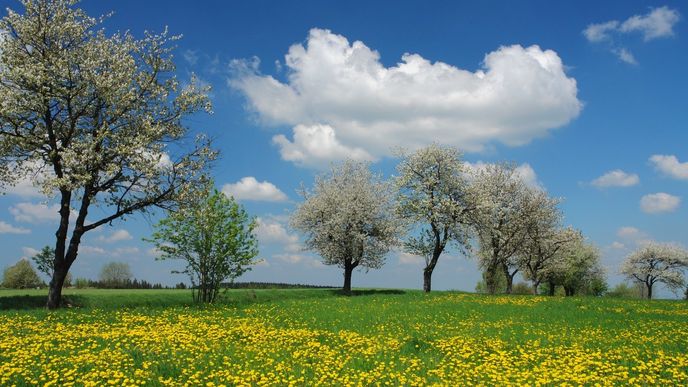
(588, 97)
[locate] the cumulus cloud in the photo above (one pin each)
(659, 202)
(91, 250)
(35, 213)
(315, 146)
(616, 178)
(339, 94)
(657, 23)
(116, 236)
(28, 252)
(670, 166)
(270, 231)
(248, 188)
(6, 228)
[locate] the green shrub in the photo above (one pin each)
(623, 290)
(81, 283)
(521, 288)
(21, 276)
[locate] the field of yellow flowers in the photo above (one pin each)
(315, 337)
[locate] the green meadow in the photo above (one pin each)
(317, 336)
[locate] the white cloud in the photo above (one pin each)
(116, 236)
(618, 245)
(272, 232)
(29, 252)
(670, 166)
(600, 32)
(6, 228)
(126, 251)
(629, 232)
(659, 202)
(340, 94)
(91, 250)
(410, 259)
(248, 188)
(625, 56)
(191, 57)
(658, 23)
(524, 171)
(35, 213)
(300, 259)
(616, 178)
(316, 146)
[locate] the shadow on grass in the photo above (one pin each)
(367, 292)
(27, 302)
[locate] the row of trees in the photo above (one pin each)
(353, 217)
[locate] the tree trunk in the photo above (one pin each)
(60, 263)
(536, 284)
(649, 291)
(346, 289)
(427, 280)
(552, 288)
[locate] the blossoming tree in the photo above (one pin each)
(94, 119)
(657, 263)
(433, 197)
(348, 218)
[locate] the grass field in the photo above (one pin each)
(295, 337)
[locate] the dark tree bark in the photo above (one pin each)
(349, 266)
(552, 288)
(649, 290)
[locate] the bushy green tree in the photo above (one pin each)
(115, 274)
(215, 238)
(21, 276)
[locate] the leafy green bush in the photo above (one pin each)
(21, 276)
(521, 288)
(623, 290)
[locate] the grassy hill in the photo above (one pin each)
(315, 336)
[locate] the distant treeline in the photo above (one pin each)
(271, 285)
(126, 284)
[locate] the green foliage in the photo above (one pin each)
(624, 290)
(522, 288)
(214, 236)
(496, 278)
(115, 274)
(45, 260)
(81, 283)
(21, 276)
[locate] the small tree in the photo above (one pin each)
(96, 116)
(115, 274)
(433, 197)
(214, 236)
(21, 276)
(349, 218)
(657, 262)
(45, 263)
